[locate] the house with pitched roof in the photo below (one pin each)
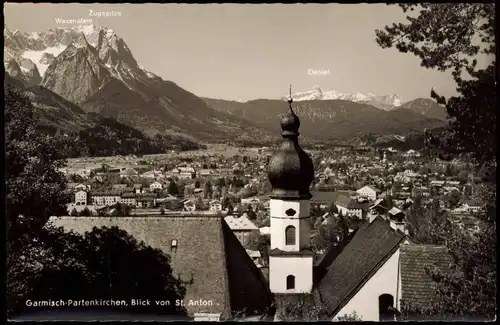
(204, 253)
(81, 197)
(349, 206)
(369, 191)
(242, 227)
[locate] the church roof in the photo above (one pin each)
(207, 252)
(417, 285)
(340, 277)
(290, 169)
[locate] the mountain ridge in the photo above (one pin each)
(94, 69)
(385, 102)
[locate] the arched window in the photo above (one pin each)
(386, 307)
(290, 282)
(290, 235)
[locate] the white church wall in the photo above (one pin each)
(280, 221)
(384, 281)
(282, 266)
(278, 207)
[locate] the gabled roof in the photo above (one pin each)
(376, 203)
(219, 267)
(371, 187)
(417, 286)
(394, 211)
(343, 200)
(240, 223)
(371, 245)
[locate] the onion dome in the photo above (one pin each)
(290, 169)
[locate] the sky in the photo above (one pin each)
(244, 52)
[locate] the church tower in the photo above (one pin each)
(290, 173)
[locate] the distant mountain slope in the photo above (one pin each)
(94, 68)
(426, 107)
(91, 133)
(329, 119)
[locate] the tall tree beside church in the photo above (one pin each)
(444, 37)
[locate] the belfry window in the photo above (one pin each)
(290, 282)
(290, 235)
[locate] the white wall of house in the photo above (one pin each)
(215, 207)
(301, 267)
(384, 281)
(368, 192)
(105, 200)
(81, 198)
(155, 186)
(355, 212)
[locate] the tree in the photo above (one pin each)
(34, 186)
(173, 189)
(304, 309)
(350, 318)
(85, 212)
(105, 263)
(197, 184)
(443, 37)
(221, 182)
(251, 214)
(74, 213)
(454, 198)
(208, 190)
(121, 210)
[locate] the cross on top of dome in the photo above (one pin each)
(290, 122)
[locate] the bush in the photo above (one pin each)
(353, 317)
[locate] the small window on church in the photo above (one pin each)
(290, 282)
(290, 235)
(290, 212)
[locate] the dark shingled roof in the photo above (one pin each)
(207, 252)
(372, 244)
(417, 286)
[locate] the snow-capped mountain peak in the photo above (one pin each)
(385, 102)
(49, 58)
(86, 29)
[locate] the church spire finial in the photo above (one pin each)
(290, 99)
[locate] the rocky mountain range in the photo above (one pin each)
(94, 70)
(386, 102)
(335, 120)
